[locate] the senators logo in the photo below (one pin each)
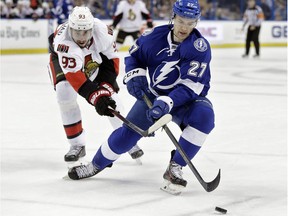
(90, 67)
(63, 48)
(132, 15)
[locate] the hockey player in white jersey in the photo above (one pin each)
(84, 61)
(129, 17)
(176, 59)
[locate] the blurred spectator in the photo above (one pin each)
(9, 13)
(23, 9)
(97, 9)
(63, 9)
(159, 9)
(266, 9)
(3, 9)
(37, 10)
(280, 10)
(34, 4)
(209, 10)
(48, 9)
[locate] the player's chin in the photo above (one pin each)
(183, 36)
(81, 45)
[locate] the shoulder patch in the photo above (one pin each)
(147, 32)
(61, 28)
(63, 48)
(200, 45)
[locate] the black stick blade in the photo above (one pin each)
(210, 186)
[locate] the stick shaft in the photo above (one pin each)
(208, 186)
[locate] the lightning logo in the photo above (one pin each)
(167, 74)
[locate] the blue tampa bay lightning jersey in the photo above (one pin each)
(181, 71)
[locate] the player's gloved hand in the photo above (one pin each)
(150, 24)
(160, 107)
(103, 104)
(137, 84)
(101, 99)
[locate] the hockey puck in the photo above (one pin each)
(221, 210)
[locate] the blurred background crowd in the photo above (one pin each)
(159, 9)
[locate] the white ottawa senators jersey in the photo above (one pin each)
(132, 15)
(73, 59)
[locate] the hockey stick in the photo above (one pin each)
(158, 124)
(208, 186)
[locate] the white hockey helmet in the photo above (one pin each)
(81, 18)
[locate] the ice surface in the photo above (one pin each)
(249, 144)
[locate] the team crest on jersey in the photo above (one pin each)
(90, 66)
(166, 75)
(63, 48)
(131, 15)
(200, 45)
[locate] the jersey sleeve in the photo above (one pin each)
(137, 57)
(109, 68)
(118, 15)
(119, 9)
(110, 55)
(146, 15)
(143, 8)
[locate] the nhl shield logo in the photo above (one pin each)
(200, 45)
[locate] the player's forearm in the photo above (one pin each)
(81, 84)
(116, 20)
(149, 20)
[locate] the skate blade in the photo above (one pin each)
(138, 161)
(170, 188)
(66, 177)
(71, 164)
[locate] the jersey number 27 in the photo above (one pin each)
(195, 65)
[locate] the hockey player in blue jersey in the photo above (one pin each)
(176, 59)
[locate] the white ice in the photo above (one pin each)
(249, 144)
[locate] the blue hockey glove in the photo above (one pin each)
(137, 84)
(160, 107)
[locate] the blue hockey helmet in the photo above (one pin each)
(187, 8)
